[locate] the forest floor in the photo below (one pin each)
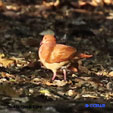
(25, 86)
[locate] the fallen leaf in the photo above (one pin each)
(111, 74)
(6, 62)
(59, 83)
(70, 93)
(45, 92)
(3, 74)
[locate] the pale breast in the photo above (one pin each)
(53, 66)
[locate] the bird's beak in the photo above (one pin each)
(41, 43)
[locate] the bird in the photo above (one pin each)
(54, 56)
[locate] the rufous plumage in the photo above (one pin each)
(54, 56)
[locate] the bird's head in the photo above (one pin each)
(48, 39)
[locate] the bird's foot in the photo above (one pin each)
(54, 76)
(64, 69)
(64, 72)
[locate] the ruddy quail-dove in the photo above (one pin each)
(53, 56)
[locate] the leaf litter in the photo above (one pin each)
(21, 74)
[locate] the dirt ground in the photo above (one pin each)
(25, 86)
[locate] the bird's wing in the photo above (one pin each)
(61, 53)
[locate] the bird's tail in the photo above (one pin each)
(83, 55)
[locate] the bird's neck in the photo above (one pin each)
(45, 50)
(49, 44)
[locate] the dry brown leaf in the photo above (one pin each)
(59, 83)
(48, 83)
(6, 62)
(20, 62)
(95, 3)
(51, 4)
(71, 93)
(3, 74)
(12, 7)
(36, 81)
(90, 96)
(103, 73)
(12, 61)
(108, 95)
(110, 74)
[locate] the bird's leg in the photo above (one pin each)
(64, 72)
(54, 75)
